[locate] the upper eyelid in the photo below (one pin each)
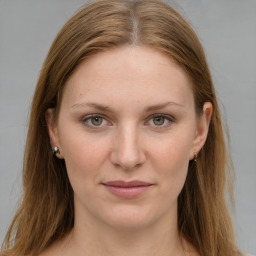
(90, 116)
(169, 117)
(170, 120)
(93, 115)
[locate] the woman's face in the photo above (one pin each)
(127, 129)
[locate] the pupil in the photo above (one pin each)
(159, 120)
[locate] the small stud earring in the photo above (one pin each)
(195, 157)
(55, 151)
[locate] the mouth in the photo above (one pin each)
(129, 190)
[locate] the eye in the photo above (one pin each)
(160, 120)
(95, 121)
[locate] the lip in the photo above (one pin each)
(127, 189)
(127, 184)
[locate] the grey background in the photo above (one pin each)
(227, 29)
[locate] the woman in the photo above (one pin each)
(125, 151)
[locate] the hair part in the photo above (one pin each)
(46, 213)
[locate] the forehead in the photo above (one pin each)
(127, 75)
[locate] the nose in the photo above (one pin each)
(127, 151)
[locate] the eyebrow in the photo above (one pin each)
(163, 105)
(93, 105)
(108, 109)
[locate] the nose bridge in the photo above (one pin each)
(127, 151)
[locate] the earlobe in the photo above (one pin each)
(53, 132)
(202, 129)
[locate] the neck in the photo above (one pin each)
(158, 239)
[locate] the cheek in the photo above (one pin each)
(174, 151)
(171, 159)
(84, 156)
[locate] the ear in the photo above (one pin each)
(53, 130)
(201, 129)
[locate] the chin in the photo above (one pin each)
(128, 217)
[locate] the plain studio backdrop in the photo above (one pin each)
(227, 30)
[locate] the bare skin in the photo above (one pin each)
(64, 247)
(127, 114)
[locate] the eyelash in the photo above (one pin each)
(167, 118)
(90, 117)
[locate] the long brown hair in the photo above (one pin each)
(46, 213)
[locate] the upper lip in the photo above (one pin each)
(127, 184)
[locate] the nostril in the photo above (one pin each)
(128, 159)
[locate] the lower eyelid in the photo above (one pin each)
(85, 120)
(170, 121)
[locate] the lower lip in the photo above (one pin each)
(128, 192)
